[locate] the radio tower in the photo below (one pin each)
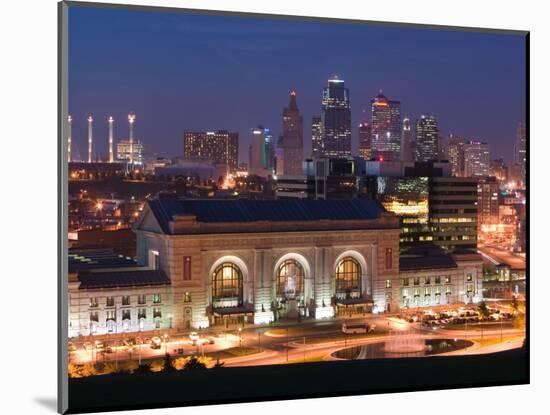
(131, 120)
(111, 120)
(90, 139)
(69, 138)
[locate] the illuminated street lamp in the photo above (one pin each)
(240, 337)
(165, 344)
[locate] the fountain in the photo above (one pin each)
(404, 341)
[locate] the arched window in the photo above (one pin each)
(290, 280)
(227, 286)
(348, 278)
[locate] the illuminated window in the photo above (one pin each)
(93, 302)
(348, 278)
(110, 302)
(111, 315)
(156, 298)
(187, 297)
(448, 279)
(157, 312)
(448, 291)
(186, 268)
(469, 277)
(290, 280)
(227, 286)
(388, 283)
(126, 300)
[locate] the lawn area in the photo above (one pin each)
(301, 331)
(496, 340)
(315, 358)
(233, 352)
(478, 326)
(340, 337)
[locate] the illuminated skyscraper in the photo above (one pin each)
(407, 141)
(219, 147)
(316, 137)
(336, 120)
(476, 159)
(427, 139)
(261, 152)
(386, 128)
(292, 139)
(365, 141)
(455, 155)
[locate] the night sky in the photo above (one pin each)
(190, 72)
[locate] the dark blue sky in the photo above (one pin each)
(190, 72)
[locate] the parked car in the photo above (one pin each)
(156, 343)
(211, 340)
(194, 337)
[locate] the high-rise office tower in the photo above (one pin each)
(292, 139)
(217, 147)
(90, 138)
(365, 141)
(427, 139)
(455, 155)
(259, 153)
(69, 138)
(386, 128)
(520, 148)
(476, 159)
(316, 137)
(407, 141)
(336, 120)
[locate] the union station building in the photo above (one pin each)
(204, 263)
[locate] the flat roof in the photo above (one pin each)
(118, 279)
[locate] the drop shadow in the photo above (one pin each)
(48, 403)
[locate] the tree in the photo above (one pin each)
(168, 366)
(484, 310)
(194, 364)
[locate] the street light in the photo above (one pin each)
(165, 343)
(240, 337)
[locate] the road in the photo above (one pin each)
(515, 261)
(292, 349)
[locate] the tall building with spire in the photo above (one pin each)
(386, 128)
(365, 141)
(291, 141)
(407, 146)
(336, 120)
(427, 139)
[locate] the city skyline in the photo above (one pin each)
(456, 84)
